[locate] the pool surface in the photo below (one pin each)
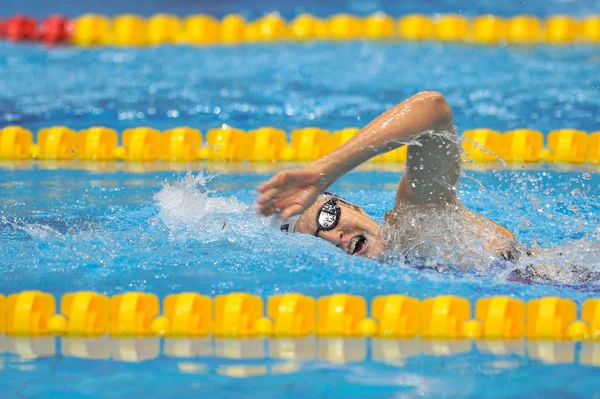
(169, 227)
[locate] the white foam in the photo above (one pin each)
(572, 263)
(40, 231)
(188, 206)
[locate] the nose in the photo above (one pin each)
(334, 236)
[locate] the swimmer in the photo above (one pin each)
(428, 219)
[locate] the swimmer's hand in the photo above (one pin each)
(290, 192)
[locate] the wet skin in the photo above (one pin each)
(356, 233)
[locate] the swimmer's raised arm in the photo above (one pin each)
(432, 169)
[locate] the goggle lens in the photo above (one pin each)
(328, 216)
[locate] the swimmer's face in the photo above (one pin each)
(356, 233)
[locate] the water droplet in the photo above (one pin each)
(586, 176)
(525, 223)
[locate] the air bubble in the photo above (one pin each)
(586, 176)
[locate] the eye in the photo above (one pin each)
(326, 220)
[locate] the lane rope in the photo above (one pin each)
(270, 144)
(132, 30)
(242, 315)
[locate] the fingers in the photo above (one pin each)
(287, 190)
(273, 182)
(268, 208)
(292, 210)
(262, 188)
(268, 195)
(266, 201)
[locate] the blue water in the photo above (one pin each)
(157, 228)
(163, 232)
(297, 85)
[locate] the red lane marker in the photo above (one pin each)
(54, 29)
(20, 27)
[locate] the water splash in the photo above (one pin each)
(189, 209)
(574, 263)
(559, 223)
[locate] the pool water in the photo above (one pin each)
(165, 228)
(164, 232)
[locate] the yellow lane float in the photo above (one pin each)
(185, 315)
(142, 144)
(163, 28)
(225, 144)
(594, 148)
(181, 144)
(339, 137)
(482, 145)
(444, 316)
(502, 317)
(97, 144)
(549, 317)
(2, 313)
(339, 315)
(233, 29)
(266, 144)
(523, 145)
(83, 313)
(345, 27)
(590, 29)
(55, 143)
(294, 315)
(28, 312)
(307, 26)
(131, 314)
(399, 316)
(561, 29)
(271, 27)
(15, 143)
(590, 313)
(452, 28)
(237, 314)
(524, 29)
(128, 30)
(310, 143)
(568, 146)
(201, 30)
(416, 27)
(90, 30)
(489, 29)
(379, 26)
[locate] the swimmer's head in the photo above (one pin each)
(340, 222)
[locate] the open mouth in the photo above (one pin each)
(357, 244)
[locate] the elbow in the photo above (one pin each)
(436, 106)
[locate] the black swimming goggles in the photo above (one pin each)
(328, 216)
